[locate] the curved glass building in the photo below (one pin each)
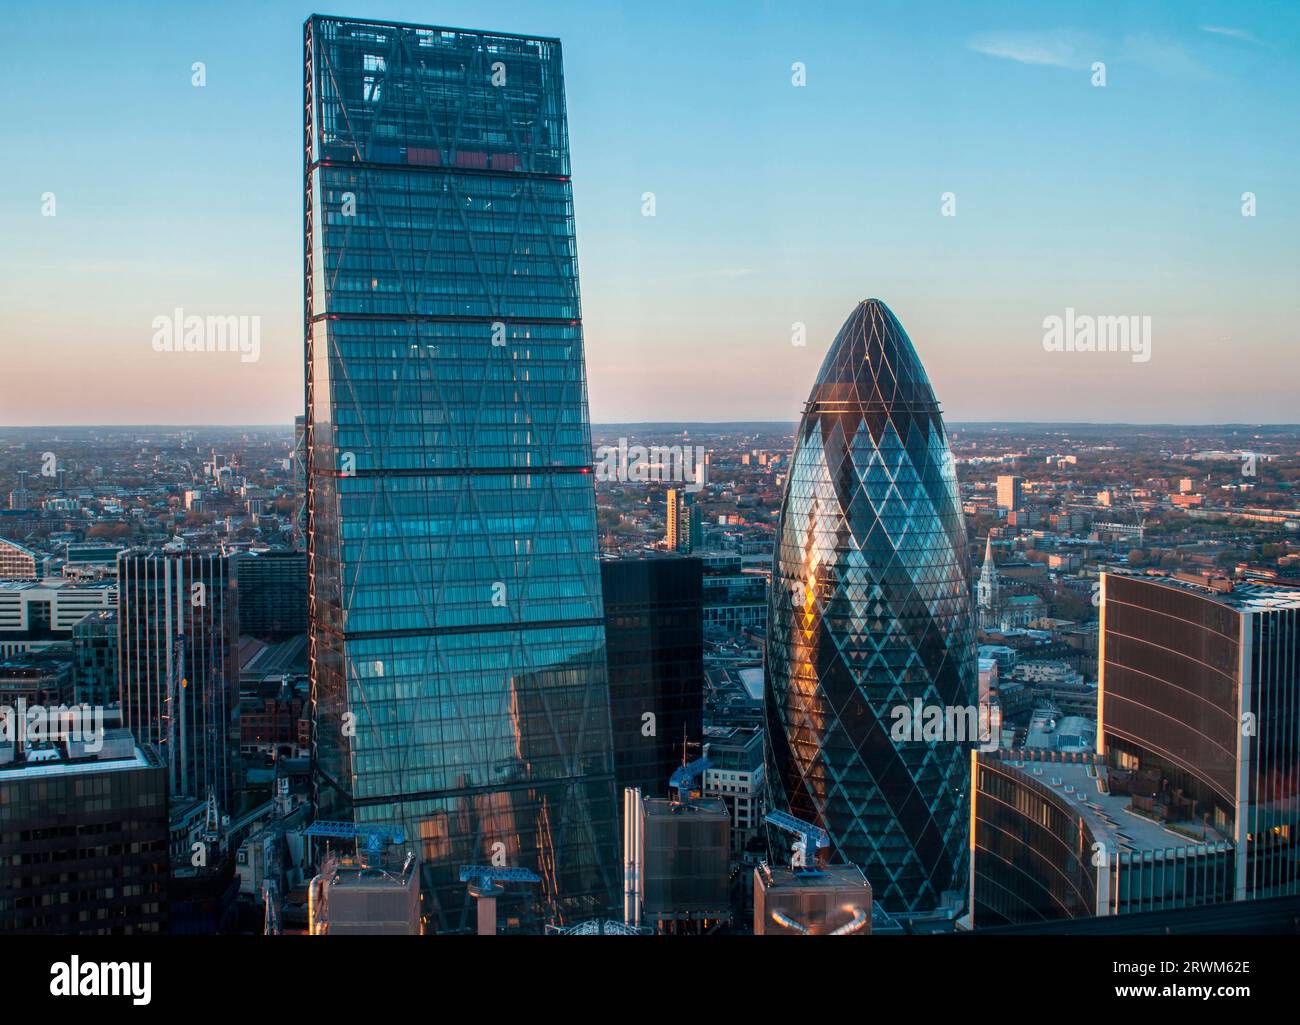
(870, 615)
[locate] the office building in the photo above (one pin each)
(871, 611)
(36, 613)
(177, 671)
(683, 864)
(83, 837)
(655, 646)
(1198, 694)
(684, 525)
(270, 591)
(18, 562)
(1190, 797)
(735, 777)
(90, 560)
(42, 677)
(456, 613)
(350, 899)
(735, 598)
(1056, 837)
(1010, 492)
(835, 901)
(94, 658)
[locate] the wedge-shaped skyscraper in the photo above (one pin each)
(870, 612)
(457, 633)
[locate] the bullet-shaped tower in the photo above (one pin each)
(870, 612)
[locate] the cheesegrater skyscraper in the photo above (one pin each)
(457, 639)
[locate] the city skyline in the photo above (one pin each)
(361, 574)
(1068, 196)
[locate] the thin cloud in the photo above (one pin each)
(1065, 48)
(1054, 49)
(1231, 33)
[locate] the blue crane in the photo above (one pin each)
(483, 887)
(684, 779)
(813, 839)
(371, 839)
(485, 877)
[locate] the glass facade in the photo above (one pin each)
(1045, 849)
(270, 588)
(1170, 660)
(457, 638)
(1031, 852)
(175, 622)
(1199, 691)
(654, 634)
(94, 658)
(869, 610)
(1273, 763)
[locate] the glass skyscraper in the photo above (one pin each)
(457, 638)
(654, 632)
(870, 612)
(177, 672)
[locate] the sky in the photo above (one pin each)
(775, 204)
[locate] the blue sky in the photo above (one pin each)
(774, 204)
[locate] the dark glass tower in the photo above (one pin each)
(457, 640)
(870, 610)
(270, 589)
(654, 631)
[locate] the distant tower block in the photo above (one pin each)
(1010, 492)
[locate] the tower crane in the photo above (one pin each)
(812, 839)
(684, 779)
(371, 840)
(483, 887)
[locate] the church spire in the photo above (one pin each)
(986, 594)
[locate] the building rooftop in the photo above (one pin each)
(287, 657)
(752, 678)
(20, 547)
(1255, 596)
(1053, 731)
(699, 807)
(116, 751)
(1107, 815)
(57, 584)
(828, 877)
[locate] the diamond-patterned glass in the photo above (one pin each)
(869, 611)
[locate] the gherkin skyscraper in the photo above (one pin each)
(870, 611)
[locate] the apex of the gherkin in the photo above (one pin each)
(872, 362)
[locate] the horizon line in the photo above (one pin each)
(289, 424)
